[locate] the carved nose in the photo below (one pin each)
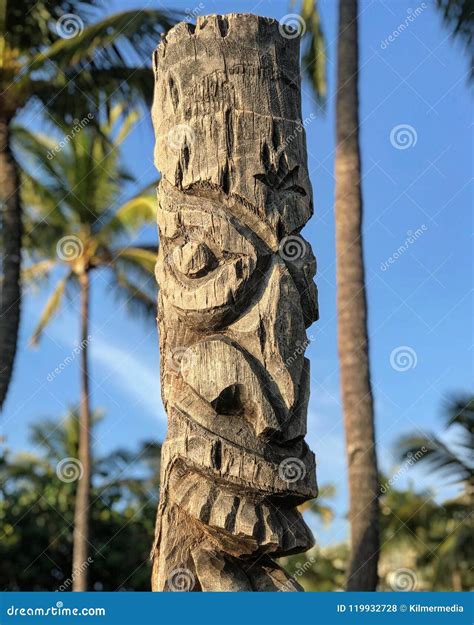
(233, 388)
(193, 259)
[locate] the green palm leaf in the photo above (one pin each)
(314, 55)
(143, 258)
(102, 43)
(52, 306)
(136, 298)
(134, 214)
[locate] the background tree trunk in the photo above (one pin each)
(11, 233)
(82, 512)
(352, 315)
(236, 294)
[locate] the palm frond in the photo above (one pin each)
(143, 258)
(126, 126)
(52, 306)
(136, 298)
(434, 452)
(135, 213)
(314, 55)
(105, 43)
(38, 271)
(458, 15)
(72, 95)
(460, 411)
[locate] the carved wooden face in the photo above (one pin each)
(235, 357)
(205, 264)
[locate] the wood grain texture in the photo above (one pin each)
(236, 296)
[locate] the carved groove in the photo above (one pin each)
(233, 305)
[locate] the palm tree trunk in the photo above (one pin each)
(352, 315)
(457, 580)
(81, 513)
(11, 233)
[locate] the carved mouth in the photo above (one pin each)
(260, 473)
(237, 518)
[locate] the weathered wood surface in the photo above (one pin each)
(236, 294)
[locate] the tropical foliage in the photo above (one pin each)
(77, 222)
(37, 511)
(76, 216)
(60, 59)
(447, 547)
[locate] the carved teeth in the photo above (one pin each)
(233, 304)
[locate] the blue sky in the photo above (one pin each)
(420, 304)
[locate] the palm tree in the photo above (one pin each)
(459, 18)
(453, 462)
(37, 493)
(313, 60)
(352, 314)
(352, 305)
(78, 225)
(63, 58)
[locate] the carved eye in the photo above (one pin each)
(193, 259)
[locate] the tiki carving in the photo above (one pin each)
(236, 294)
